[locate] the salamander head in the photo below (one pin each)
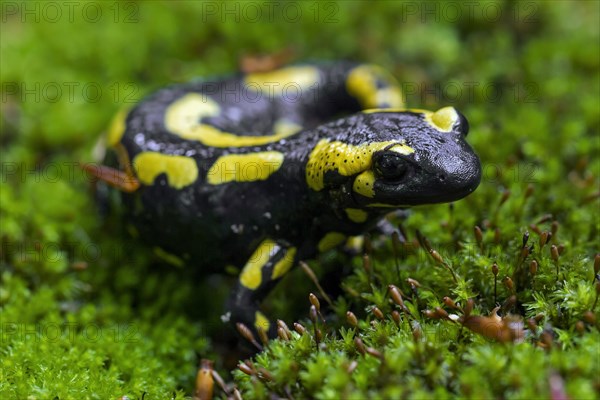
(387, 158)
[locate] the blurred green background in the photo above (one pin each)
(87, 312)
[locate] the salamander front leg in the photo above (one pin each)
(267, 265)
(386, 228)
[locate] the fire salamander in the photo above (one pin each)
(265, 169)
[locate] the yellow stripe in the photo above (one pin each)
(181, 171)
(183, 118)
(244, 167)
(251, 276)
(356, 214)
(211, 136)
(331, 240)
(284, 265)
(288, 81)
(344, 158)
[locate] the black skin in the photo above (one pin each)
(211, 226)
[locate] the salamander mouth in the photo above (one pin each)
(353, 198)
(403, 195)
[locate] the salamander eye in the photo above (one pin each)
(390, 166)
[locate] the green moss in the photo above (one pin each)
(87, 312)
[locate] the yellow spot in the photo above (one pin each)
(261, 322)
(244, 167)
(363, 184)
(284, 265)
(331, 240)
(442, 119)
(362, 84)
(181, 171)
(183, 118)
(251, 275)
(290, 81)
(356, 215)
(355, 243)
(345, 159)
(117, 127)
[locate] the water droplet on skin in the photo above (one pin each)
(238, 229)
